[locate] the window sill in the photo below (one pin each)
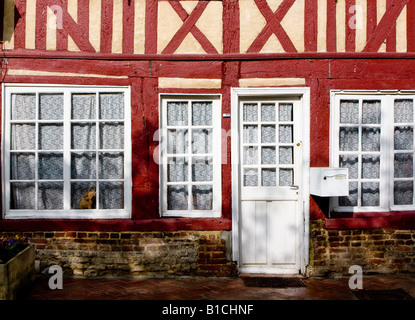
(79, 214)
(403, 220)
(116, 225)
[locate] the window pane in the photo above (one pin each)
(177, 113)
(50, 166)
(22, 195)
(51, 107)
(50, 196)
(111, 195)
(285, 112)
(349, 139)
(111, 135)
(404, 111)
(286, 177)
(83, 195)
(111, 106)
(51, 136)
(250, 134)
(23, 107)
(23, 137)
(371, 112)
(404, 137)
(22, 166)
(177, 198)
(268, 134)
(370, 167)
(83, 136)
(370, 194)
(111, 165)
(286, 134)
(202, 141)
(84, 106)
(83, 165)
(269, 177)
(250, 155)
(351, 200)
(349, 111)
(177, 141)
(202, 113)
(403, 166)
(351, 163)
(202, 197)
(403, 192)
(269, 155)
(250, 177)
(202, 169)
(177, 169)
(268, 112)
(250, 112)
(286, 155)
(370, 139)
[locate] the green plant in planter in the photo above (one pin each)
(11, 246)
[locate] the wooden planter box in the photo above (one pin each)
(17, 273)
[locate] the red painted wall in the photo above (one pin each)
(321, 74)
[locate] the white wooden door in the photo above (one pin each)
(270, 185)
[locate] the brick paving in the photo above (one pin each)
(198, 288)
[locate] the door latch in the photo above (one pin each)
(294, 187)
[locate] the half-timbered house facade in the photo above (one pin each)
(194, 137)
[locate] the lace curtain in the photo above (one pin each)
(266, 133)
(370, 134)
(183, 165)
(49, 165)
(46, 145)
(403, 161)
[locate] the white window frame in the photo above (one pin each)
(386, 179)
(8, 90)
(217, 156)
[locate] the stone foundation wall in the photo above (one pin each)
(375, 250)
(87, 253)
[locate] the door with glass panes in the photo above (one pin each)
(270, 185)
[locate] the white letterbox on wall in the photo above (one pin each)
(329, 182)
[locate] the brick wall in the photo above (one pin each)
(375, 250)
(85, 253)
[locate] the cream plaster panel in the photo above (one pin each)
(401, 42)
(321, 25)
(189, 5)
(381, 9)
(139, 25)
(168, 24)
(211, 24)
(20, 72)
(95, 24)
(272, 45)
(274, 4)
(30, 32)
(293, 24)
(73, 11)
(117, 26)
(186, 83)
(251, 23)
(361, 24)
(341, 25)
(270, 82)
(50, 30)
(190, 45)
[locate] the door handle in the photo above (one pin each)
(294, 187)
